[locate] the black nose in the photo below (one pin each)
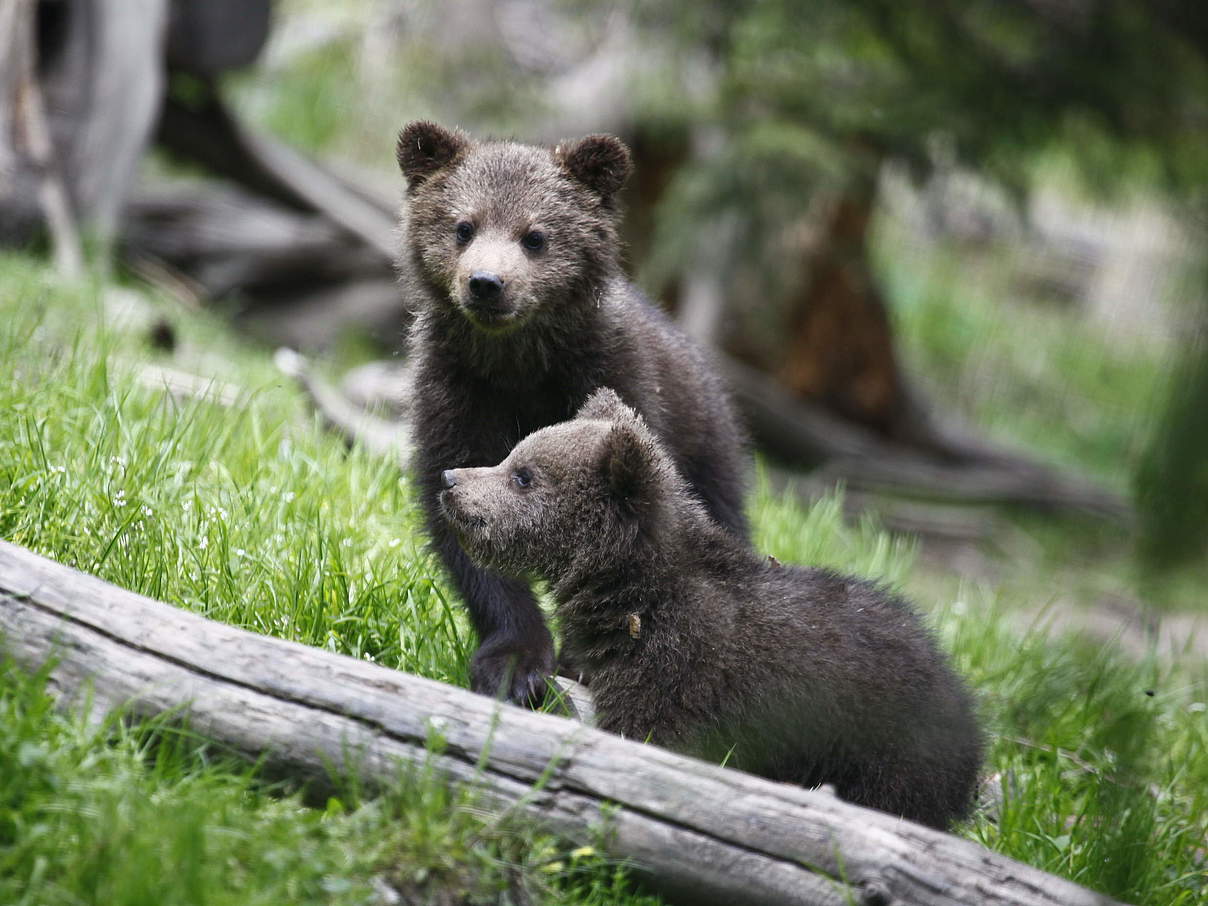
(485, 287)
(447, 479)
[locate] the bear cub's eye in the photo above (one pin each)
(522, 478)
(533, 240)
(464, 231)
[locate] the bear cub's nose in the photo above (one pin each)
(485, 287)
(448, 479)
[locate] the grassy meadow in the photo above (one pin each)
(249, 513)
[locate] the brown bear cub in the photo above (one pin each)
(695, 642)
(511, 260)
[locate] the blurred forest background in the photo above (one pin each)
(951, 255)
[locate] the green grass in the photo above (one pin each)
(252, 515)
(1040, 377)
(1045, 379)
(149, 814)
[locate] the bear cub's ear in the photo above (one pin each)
(606, 405)
(629, 463)
(424, 147)
(600, 162)
(629, 458)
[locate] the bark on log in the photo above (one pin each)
(703, 833)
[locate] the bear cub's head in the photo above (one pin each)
(502, 231)
(573, 496)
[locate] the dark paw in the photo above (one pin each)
(516, 674)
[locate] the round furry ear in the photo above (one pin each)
(425, 147)
(606, 405)
(629, 463)
(600, 162)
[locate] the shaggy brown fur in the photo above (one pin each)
(694, 641)
(511, 260)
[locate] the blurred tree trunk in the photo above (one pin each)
(829, 391)
(32, 189)
(838, 350)
(80, 88)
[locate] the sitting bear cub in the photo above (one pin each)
(696, 643)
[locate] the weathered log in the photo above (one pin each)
(205, 131)
(231, 242)
(800, 431)
(224, 243)
(704, 834)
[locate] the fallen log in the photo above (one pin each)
(288, 277)
(797, 431)
(383, 437)
(208, 133)
(973, 472)
(702, 833)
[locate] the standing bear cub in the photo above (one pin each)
(698, 644)
(511, 261)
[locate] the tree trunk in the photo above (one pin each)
(99, 81)
(704, 834)
(840, 352)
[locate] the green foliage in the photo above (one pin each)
(1172, 478)
(251, 514)
(996, 81)
(812, 100)
(355, 72)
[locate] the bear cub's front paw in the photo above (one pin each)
(515, 672)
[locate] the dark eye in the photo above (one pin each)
(522, 478)
(533, 240)
(464, 232)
